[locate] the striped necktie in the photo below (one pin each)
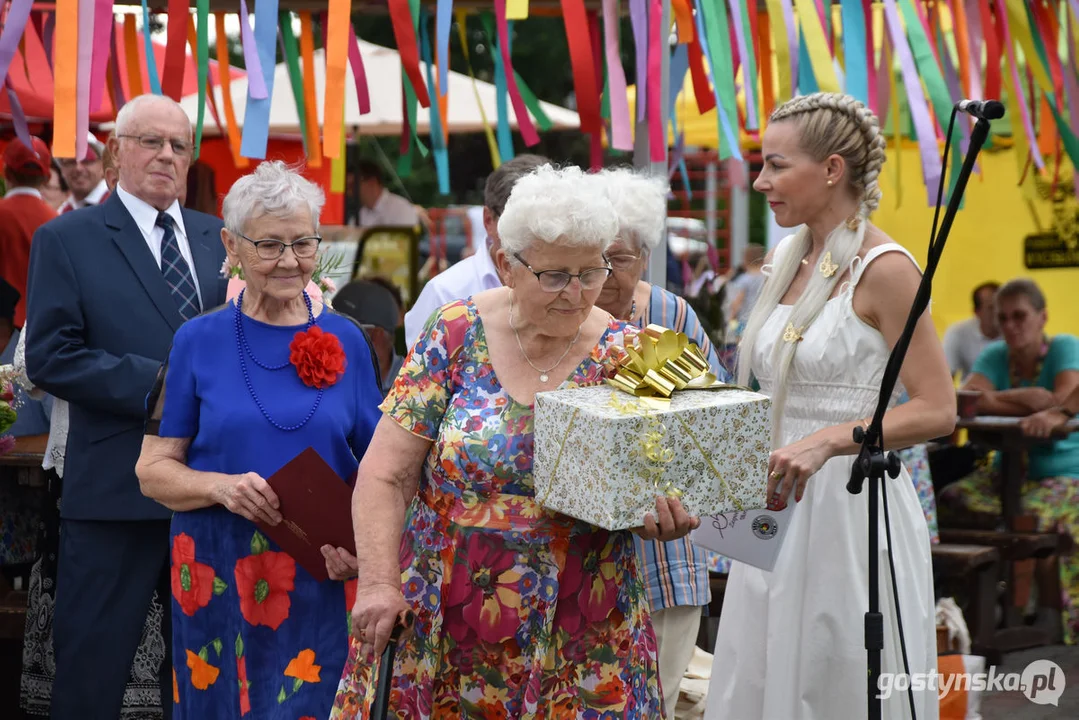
(176, 270)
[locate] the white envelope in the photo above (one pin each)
(750, 536)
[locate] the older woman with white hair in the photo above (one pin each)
(520, 611)
(248, 387)
(675, 573)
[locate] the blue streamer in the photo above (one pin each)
(807, 81)
(854, 50)
(151, 61)
(679, 68)
(434, 124)
(725, 126)
(256, 132)
(505, 137)
(443, 22)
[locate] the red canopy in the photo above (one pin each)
(33, 81)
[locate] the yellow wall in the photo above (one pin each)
(986, 240)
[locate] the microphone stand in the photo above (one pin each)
(872, 462)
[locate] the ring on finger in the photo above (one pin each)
(777, 475)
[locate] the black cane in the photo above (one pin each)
(381, 707)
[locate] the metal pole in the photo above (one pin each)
(657, 263)
(739, 218)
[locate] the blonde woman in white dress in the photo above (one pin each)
(790, 643)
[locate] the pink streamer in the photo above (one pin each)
(13, 29)
(82, 77)
(748, 83)
(256, 81)
(638, 14)
(919, 110)
(883, 80)
(524, 122)
(975, 41)
(102, 36)
(1071, 90)
(872, 77)
(621, 130)
(657, 142)
(792, 43)
(355, 59)
(1021, 98)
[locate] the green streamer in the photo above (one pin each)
(202, 10)
(719, 48)
(404, 162)
(1071, 143)
(292, 62)
(543, 122)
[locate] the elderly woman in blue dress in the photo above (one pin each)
(676, 572)
(247, 387)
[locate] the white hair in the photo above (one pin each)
(641, 203)
(127, 115)
(275, 189)
(557, 205)
(828, 124)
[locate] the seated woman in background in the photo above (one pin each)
(1025, 374)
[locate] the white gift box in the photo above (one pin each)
(603, 456)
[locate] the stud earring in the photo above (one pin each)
(829, 183)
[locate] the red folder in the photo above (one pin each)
(316, 510)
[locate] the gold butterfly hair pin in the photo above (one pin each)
(792, 334)
(827, 267)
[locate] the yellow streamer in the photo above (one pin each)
(817, 46)
(337, 164)
(783, 53)
(492, 145)
(1017, 22)
(897, 135)
(516, 9)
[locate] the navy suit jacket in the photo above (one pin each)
(101, 320)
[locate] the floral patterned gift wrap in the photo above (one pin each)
(603, 455)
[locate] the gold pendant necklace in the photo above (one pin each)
(543, 374)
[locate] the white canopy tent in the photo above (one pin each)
(382, 67)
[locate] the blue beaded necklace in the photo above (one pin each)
(245, 350)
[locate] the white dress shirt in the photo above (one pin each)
(145, 216)
(464, 279)
(391, 210)
(94, 198)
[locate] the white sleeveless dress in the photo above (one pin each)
(790, 643)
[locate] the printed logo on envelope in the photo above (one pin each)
(765, 527)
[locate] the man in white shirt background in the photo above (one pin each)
(85, 178)
(379, 206)
(477, 272)
(964, 340)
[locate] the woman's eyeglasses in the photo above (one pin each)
(303, 248)
(623, 262)
(558, 280)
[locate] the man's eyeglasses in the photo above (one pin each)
(303, 248)
(156, 143)
(558, 280)
(72, 162)
(623, 262)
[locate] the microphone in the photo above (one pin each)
(982, 109)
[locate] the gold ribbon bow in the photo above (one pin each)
(660, 361)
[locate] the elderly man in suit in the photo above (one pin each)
(109, 286)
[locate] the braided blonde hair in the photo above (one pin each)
(827, 124)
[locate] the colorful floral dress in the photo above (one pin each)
(253, 633)
(521, 612)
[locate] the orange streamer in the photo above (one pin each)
(65, 70)
(961, 43)
(336, 62)
(307, 52)
(683, 16)
(224, 80)
(768, 94)
(131, 57)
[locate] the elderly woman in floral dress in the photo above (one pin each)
(247, 388)
(521, 612)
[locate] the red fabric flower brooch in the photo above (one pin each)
(318, 356)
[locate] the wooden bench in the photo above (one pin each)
(970, 572)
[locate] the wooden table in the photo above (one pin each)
(29, 452)
(1004, 435)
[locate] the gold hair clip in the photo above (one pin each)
(827, 267)
(852, 222)
(792, 334)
